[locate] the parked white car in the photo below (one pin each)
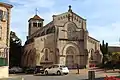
(57, 69)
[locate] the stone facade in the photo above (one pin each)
(65, 40)
(5, 10)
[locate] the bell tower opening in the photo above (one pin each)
(35, 23)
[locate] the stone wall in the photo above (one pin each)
(29, 53)
(4, 29)
(93, 47)
(41, 44)
(4, 72)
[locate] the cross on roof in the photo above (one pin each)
(70, 10)
(36, 11)
(69, 6)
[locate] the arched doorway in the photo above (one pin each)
(71, 58)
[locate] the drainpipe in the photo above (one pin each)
(8, 35)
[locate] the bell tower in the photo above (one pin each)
(35, 23)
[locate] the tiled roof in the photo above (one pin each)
(6, 5)
(36, 17)
(93, 38)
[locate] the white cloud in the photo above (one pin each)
(109, 33)
(34, 3)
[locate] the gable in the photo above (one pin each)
(63, 18)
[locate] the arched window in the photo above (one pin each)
(5, 16)
(50, 30)
(35, 24)
(39, 24)
(46, 54)
(92, 53)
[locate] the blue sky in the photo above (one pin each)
(103, 16)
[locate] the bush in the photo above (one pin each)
(100, 65)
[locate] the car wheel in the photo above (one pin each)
(46, 72)
(65, 73)
(42, 72)
(58, 73)
(13, 72)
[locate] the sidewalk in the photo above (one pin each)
(12, 78)
(98, 72)
(84, 71)
(81, 71)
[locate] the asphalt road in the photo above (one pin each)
(70, 76)
(51, 77)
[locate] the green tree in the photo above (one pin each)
(115, 57)
(15, 50)
(104, 50)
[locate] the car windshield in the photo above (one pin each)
(62, 66)
(39, 66)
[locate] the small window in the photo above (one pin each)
(5, 16)
(39, 24)
(1, 14)
(0, 32)
(34, 24)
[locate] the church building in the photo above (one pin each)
(64, 40)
